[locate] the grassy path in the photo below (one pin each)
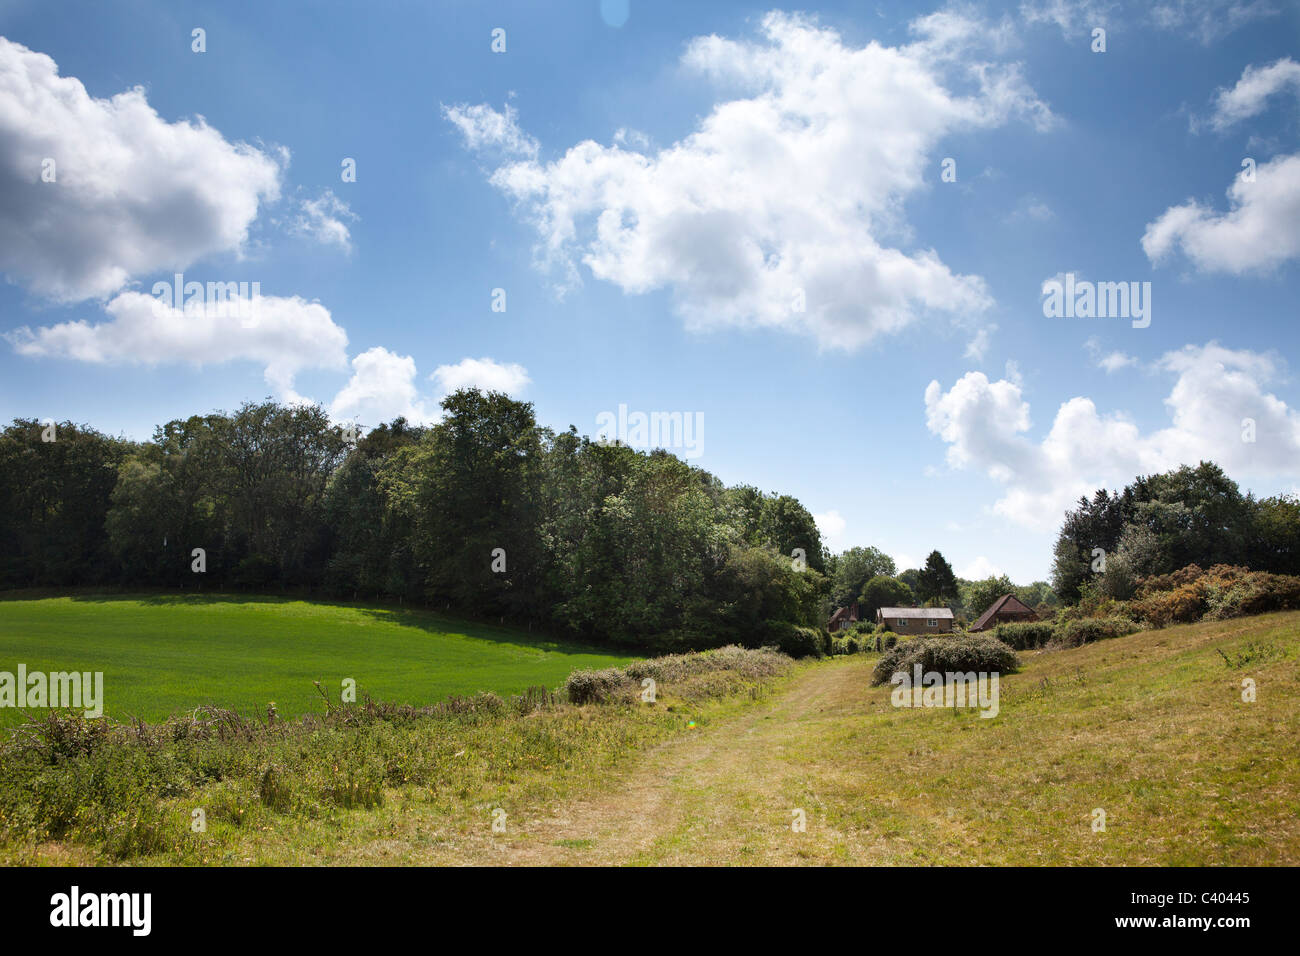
(716, 797)
(1152, 729)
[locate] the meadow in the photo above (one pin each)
(169, 653)
(1175, 746)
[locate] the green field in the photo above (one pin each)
(171, 653)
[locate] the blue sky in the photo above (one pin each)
(651, 196)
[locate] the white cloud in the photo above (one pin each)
(1209, 20)
(831, 524)
(978, 346)
(286, 335)
(795, 186)
(325, 220)
(979, 569)
(1214, 391)
(1114, 361)
(486, 129)
(133, 194)
(903, 560)
(1260, 231)
(382, 388)
(1074, 18)
(1251, 93)
(1032, 209)
(483, 373)
(1110, 361)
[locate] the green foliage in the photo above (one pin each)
(979, 596)
(936, 582)
(1088, 629)
(883, 591)
(486, 512)
(966, 652)
(1024, 635)
(853, 569)
(1160, 523)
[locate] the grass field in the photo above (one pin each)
(170, 653)
(1151, 728)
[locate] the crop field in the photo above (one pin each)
(164, 654)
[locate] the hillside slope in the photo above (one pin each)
(1150, 728)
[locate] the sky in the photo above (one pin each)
(830, 237)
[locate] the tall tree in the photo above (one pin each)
(936, 581)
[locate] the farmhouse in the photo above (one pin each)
(916, 620)
(843, 617)
(1004, 610)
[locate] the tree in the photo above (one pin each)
(1275, 535)
(936, 581)
(54, 496)
(883, 591)
(854, 568)
(980, 595)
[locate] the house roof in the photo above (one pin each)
(851, 613)
(925, 612)
(1004, 604)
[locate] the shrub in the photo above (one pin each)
(595, 687)
(1184, 604)
(1024, 635)
(967, 652)
(797, 641)
(1088, 629)
(850, 645)
(1224, 591)
(890, 641)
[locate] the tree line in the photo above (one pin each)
(485, 513)
(1162, 523)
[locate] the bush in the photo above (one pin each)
(1224, 591)
(595, 687)
(967, 652)
(1024, 635)
(890, 641)
(797, 641)
(863, 627)
(850, 645)
(1088, 629)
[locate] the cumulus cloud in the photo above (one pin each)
(1259, 232)
(382, 387)
(482, 373)
(285, 335)
(132, 194)
(1215, 391)
(325, 219)
(777, 210)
